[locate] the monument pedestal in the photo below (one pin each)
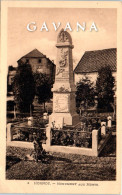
(67, 118)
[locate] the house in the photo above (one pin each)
(39, 63)
(92, 61)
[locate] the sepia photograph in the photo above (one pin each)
(60, 78)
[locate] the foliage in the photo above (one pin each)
(43, 85)
(104, 88)
(67, 138)
(11, 68)
(85, 93)
(27, 134)
(24, 87)
(10, 105)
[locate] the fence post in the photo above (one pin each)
(95, 142)
(103, 128)
(9, 132)
(48, 135)
(109, 121)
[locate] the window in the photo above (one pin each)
(27, 60)
(12, 79)
(39, 60)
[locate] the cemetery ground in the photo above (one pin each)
(61, 166)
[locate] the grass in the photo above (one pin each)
(61, 166)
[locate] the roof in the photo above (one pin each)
(34, 54)
(92, 61)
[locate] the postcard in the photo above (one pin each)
(60, 96)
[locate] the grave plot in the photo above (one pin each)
(78, 140)
(24, 131)
(89, 137)
(68, 137)
(21, 134)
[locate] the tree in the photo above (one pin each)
(11, 68)
(85, 93)
(24, 87)
(43, 85)
(104, 88)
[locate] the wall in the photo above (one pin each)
(45, 66)
(92, 76)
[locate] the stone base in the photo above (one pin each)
(68, 118)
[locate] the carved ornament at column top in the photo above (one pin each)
(64, 37)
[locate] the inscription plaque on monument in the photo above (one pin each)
(61, 103)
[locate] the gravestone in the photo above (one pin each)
(64, 89)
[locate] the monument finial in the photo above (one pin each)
(64, 36)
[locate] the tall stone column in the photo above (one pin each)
(64, 105)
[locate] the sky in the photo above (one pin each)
(21, 41)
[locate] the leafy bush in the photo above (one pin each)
(85, 93)
(67, 138)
